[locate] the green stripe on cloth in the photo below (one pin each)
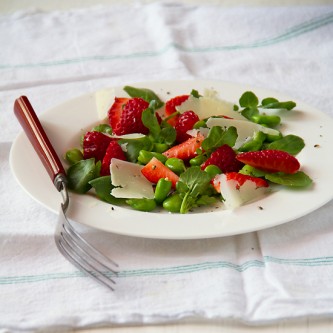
(183, 269)
(293, 32)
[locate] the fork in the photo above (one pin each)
(69, 242)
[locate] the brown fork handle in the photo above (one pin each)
(38, 138)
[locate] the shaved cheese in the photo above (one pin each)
(104, 99)
(208, 106)
(245, 128)
(128, 136)
(235, 195)
(131, 182)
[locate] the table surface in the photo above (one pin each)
(309, 325)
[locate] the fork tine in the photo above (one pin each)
(67, 250)
(80, 241)
(80, 253)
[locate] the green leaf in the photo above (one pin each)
(103, 128)
(80, 174)
(298, 179)
(149, 119)
(103, 188)
(292, 144)
(146, 94)
(248, 99)
(268, 100)
(133, 147)
(168, 135)
(250, 112)
(195, 93)
(196, 182)
(217, 137)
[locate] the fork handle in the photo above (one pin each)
(38, 138)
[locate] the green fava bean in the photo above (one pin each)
(176, 165)
(144, 205)
(213, 170)
(198, 160)
(160, 147)
(145, 156)
(255, 143)
(266, 120)
(173, 203)
(73, 156)
(163, 187)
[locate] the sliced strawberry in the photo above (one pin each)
(270, 160)
(116, 110)
(187, 149)
(225, 158)
(170, 107)
(155, 170)
(125, 116)
(241, 179)
(185, 123)
(95, 145)
(113, 151)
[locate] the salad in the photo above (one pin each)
(189, 151)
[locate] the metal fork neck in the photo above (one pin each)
(60, 184)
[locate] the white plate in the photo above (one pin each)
(64, 123)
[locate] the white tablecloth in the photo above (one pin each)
(259, 277)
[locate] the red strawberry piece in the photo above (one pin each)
(185, 123)
(241, 179)
(187, 149)
(95, 145)
(223, 157)
(270, 160)
(114, 113)
(170, 107)
(155, 170)
(125, 118)
(113, 151)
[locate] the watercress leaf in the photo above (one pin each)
(103, 128)
(248, 99)
(144, 93)
(292, 144)
(298, 179)
(133, 147)
(205, 200)
(149, 119)
(268, 100)
(103, 188)
(217, 137)
(188, 203)
(80, 174)
(196, 180)
(168, 135)
(250, 112)
(195, 93)
(98, 167)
